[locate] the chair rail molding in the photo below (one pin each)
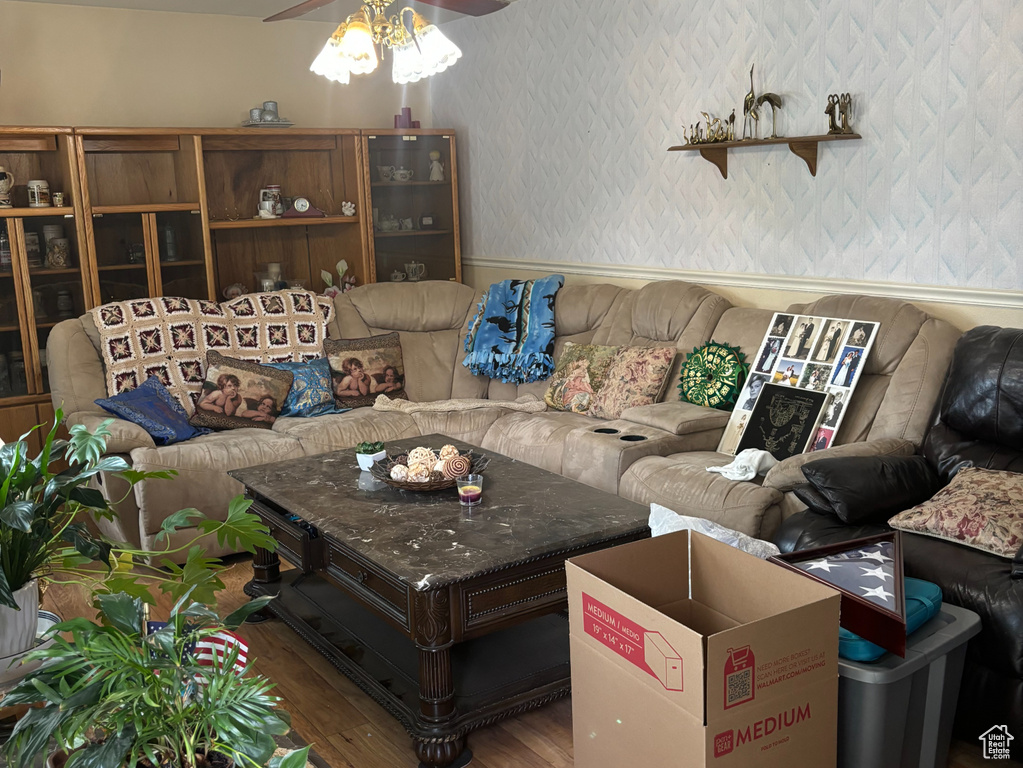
(980, 297)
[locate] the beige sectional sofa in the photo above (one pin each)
(652, 453)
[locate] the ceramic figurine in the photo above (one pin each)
(347, 209)
(436, 166)
(6, 183)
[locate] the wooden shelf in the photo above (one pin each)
(413, 233)
(146, 208)
(411, 184)
(118, 267)
(27, 213)
(189, 263)
(802, 146)
(8, 328)
(51, 323)
(297, 222)
(69, 271)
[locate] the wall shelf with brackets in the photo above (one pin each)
(803, 146)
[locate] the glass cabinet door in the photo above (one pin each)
(121, 243)
(14, 377)
(179, 253)
(52, 263)
(414, 206)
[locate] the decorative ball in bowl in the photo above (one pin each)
(424, 469)
(368, 454)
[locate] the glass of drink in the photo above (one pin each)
(470, 490)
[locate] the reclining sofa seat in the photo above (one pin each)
(977, 422)
(888, 415)
(666, 314)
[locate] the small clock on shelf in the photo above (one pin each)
(302, 209)
(427, 221)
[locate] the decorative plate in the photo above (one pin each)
(713, 375)
(382, 472)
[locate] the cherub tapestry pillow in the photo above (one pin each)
(362, 369)
(238, 394)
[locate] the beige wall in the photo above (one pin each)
(74, 65)
(961, 315)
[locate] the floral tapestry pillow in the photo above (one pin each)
(636, 376)
(239, 393)
(361, 369)
(578, 375)
(980, 508)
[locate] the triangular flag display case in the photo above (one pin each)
(868, 573)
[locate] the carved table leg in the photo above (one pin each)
(266, 569)
(436, 685)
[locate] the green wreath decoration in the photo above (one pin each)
(713, 375)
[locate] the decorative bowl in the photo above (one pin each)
(382, 472)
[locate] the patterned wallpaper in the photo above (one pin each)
(565, 109)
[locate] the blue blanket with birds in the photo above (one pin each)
(511, 338)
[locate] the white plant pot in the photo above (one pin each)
(367, 460)
(18, 628)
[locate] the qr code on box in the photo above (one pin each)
(740, 687)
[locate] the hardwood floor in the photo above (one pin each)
(349, 730)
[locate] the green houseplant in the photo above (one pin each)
(43, 534)
(115, 695)
(369, 453)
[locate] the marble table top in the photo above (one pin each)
(428, 539)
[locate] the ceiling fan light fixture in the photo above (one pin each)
(419, 51)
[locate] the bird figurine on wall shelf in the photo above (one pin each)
(775, 101)
(749, 109)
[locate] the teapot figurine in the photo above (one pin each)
(6, 184)
(415, 271)
(389, 223)
(404, 175)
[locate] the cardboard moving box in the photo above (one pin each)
(687, 652)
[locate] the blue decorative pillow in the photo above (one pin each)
(154, 409)
(311, 393)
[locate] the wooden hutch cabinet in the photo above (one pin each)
(171, 211)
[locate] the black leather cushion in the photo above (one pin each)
(866, 489)
(814, 499)
(983, 395)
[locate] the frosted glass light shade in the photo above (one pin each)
(357, 49)
(439, 52)
(408, 63)
(330, 65)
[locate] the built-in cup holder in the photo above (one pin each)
(632, 438)
(607, 431)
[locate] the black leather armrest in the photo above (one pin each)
(1017, 565)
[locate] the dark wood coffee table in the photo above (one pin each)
(450, 620)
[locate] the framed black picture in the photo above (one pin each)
(784, 420)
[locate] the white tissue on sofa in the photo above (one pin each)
(664, 520)
(746, 465)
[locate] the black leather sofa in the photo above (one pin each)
(978, 422)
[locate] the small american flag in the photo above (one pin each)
(214, 648)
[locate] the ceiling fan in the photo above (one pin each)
(468, 7)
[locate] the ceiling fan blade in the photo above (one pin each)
(299, 10)
(469, 7)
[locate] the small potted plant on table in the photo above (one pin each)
(124, 693)
(368, 454)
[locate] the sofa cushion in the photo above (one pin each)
(239, 394)
(578, 376)
(535, 438)
(637, 376)
(361, 369)
(980, 508)
(311, 392)
(712, 375)
(346, 430)
(153, 408)
(681, 481)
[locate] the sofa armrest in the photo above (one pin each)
(677, 418)
(787, 474)
(124, 435)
